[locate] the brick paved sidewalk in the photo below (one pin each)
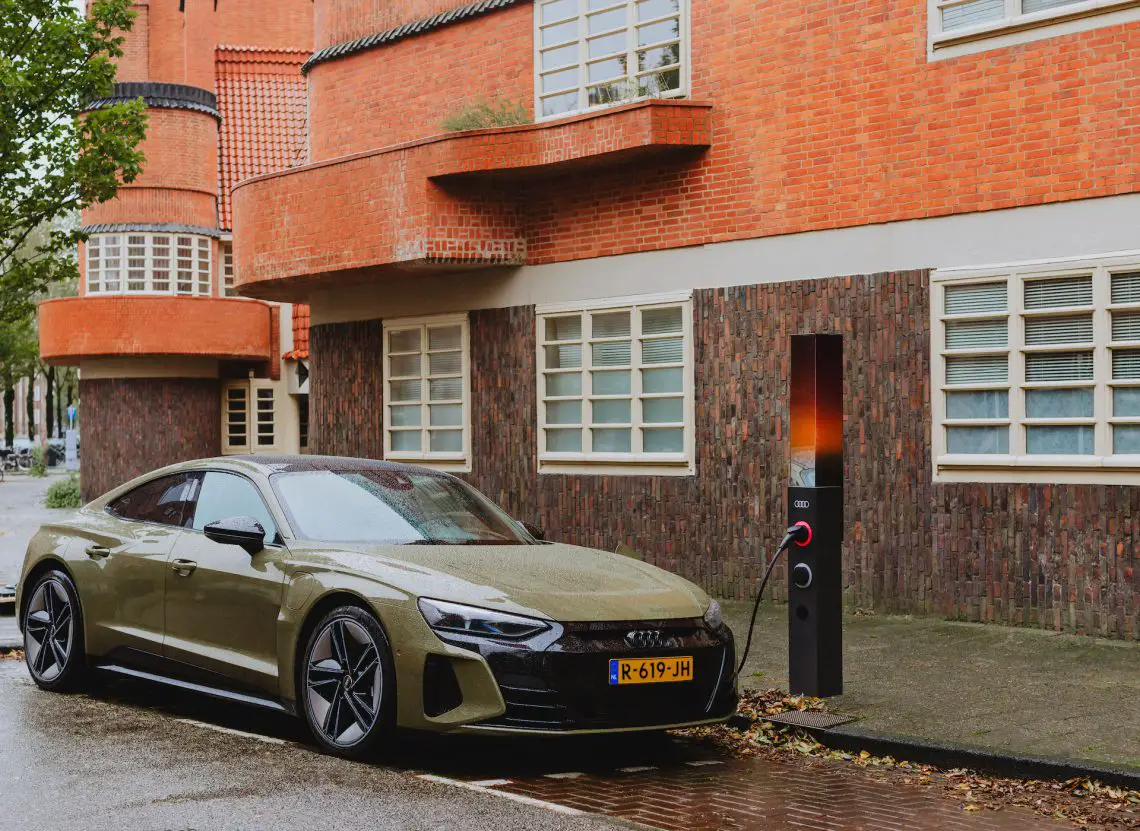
(741, 795)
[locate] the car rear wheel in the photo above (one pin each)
(53, 634)
(347, 683)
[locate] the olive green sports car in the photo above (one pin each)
(365, 596)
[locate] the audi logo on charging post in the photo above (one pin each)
(801, 503)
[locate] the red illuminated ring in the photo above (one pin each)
(808, 540)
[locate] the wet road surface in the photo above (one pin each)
(143, 757)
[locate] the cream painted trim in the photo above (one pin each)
(453, 463)
(1016, 28)
(148, 367)
(1012, 235)
(1018, 466)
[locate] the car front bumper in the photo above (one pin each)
(558, 683)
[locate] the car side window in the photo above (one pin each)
(226, 495)
(166, 500)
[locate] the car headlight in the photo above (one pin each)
(713, 616)
(443, 616)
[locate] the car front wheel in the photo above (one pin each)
(347, 683)
(53, 634)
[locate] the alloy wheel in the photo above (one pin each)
(49, 630)
(344, 684)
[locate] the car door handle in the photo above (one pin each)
(183, 568)
(97, 551)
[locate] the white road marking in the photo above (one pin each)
(514, 797)
(230, 731)
(491, 783)
(703, 762)
(563, 775)
(637, 769)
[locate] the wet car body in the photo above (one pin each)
(169, 602)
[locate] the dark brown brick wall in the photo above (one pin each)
(1060, 557)
(346, 390)
(134, 425)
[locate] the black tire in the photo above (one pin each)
(347, 695)
(53, 619)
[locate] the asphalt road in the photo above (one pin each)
(138, 757)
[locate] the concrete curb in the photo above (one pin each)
(948, 756)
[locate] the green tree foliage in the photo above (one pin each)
(54, 62)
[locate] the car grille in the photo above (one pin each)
(567, 687)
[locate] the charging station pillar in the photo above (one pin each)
(815, 498)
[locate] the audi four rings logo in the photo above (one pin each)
(801, 503)
(649, 639)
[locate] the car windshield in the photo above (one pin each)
(398, 507)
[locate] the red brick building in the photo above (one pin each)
(588, 314)
(173, 364)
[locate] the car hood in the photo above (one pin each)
(563, 582)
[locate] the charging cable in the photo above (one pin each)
(799, 533)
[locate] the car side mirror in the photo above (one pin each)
(243, 531)
(533, 530)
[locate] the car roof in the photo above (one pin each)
(268, 465)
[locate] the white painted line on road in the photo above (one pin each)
(514, 797)
(563, 775)
(230, 731)
(491, 783)
(637, 769)
(703, 763)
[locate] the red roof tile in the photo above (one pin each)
(300, 334)
(262, 100)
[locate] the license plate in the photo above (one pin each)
(650, 670)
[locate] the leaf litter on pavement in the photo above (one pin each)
(1085, 803)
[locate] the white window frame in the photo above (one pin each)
(584, 12)
(635, 462)
(226, 259)
(96, 276)
(253, 389)
(1016, 27)
(1100, 467)
(456, 462)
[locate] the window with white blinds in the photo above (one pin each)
(597, 53)
(953, 22)
(148, 264)
(1034, 368)
(427, 391)
(615, 385)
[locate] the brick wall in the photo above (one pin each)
(1053, 557)
(132, 426)
(346, 390)
(340, 20)
(426, 79)
(824, 116)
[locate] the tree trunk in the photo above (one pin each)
(59, 402)
(9, 414)
(49, 401)
(31, 408)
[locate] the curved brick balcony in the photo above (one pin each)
(98, 326)
(446, 202)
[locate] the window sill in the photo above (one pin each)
(615, 467)
(1036, 26)
(1073, 470)
(444, 465)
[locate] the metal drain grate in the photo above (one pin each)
(809, 718)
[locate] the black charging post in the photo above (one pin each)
(815, 499)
